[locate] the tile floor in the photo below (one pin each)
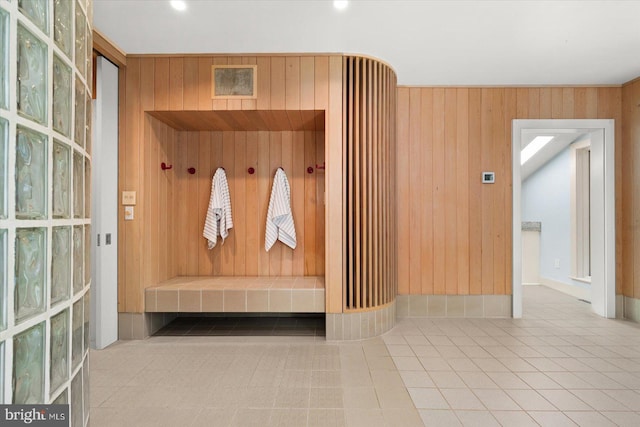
(559, 365)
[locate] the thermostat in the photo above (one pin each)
(488, 177)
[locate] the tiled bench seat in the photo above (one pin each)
(233, 294)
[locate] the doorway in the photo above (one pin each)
(602, 215)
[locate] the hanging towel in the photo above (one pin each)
(219, 219)
(279, 217)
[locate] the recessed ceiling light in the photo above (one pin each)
(178, 4)
(534, 146)
(340, 4)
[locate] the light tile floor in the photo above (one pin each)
(559, 365)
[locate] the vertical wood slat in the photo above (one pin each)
(369, 101)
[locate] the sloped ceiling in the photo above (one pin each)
(427, 42)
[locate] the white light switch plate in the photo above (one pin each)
(128, 198)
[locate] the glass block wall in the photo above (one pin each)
(45, 103)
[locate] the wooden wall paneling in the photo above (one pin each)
(176, 83)
(333, 177)
(438, 191)
(275, 161)
(310, 203)
(450, 191)
(510, 115)
(375, 170)
(278, 83)
(122, 186)
(204, 181)
(191, 91)
(487, 205)
(292, 82)
(414, 203)
(161, 84)
(357, 173)
(545, 108)
(579, 102)
(592, 103)
(204, 83)
(319, 203)
(462, 191)
(253, 218)
(228, 163)
(634, 178)
(133, 229)
(556, 103)
(301, 210)
(149, 176)
(264, 188)
(370, 193)
(568, 102)
(240, 176)
(498, 164)
(264, 83)
(192, 219)
(522, 107)
(221, 104)
(181, 209)
(402, 172)
(307, 80)
(534, 104)
(249, 104)
(216, 161)
(425, 190)
(287, 164)
(475, 191)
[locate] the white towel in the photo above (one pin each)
(279, 217)
(219, 220)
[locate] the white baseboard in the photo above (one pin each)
(574, 291)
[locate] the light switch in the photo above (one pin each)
(488, 177)
(128, 213)
(128, 198)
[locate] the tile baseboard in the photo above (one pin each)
(361, 325)
(454, 306)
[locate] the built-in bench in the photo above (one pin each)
(233, 294)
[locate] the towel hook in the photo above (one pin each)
(251, 171)
(165, 166)
(191, 170)
(310, 169)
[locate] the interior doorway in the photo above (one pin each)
(601, 221)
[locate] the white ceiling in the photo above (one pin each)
(478, 42)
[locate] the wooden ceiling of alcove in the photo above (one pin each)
(242, 120)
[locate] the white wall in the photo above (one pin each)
(546, 197)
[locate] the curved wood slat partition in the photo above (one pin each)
(369, 135)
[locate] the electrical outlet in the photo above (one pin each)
(128, 213)
(556, 263)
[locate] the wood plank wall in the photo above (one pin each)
(242, 253)
(630, 169)
(369, 149)
(164, 83)
(454, 234)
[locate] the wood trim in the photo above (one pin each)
(108, 49)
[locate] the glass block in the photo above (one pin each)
(85, 388)
(76, 340)
(61, 96)
(30, 269)
(81, 41)
(3, 282)
(60, 264)
(4, 143)
(28, 366)
(87, 127)
(87, 312)
(79, 130)
(78, 191)
(78, 253)
(61, 179)
(89, 75)
(87, 188)
(62, 399)
(32, 76)
(59, 339)
(37, 11)
(4, 59)
(87, 254)
(62, 29)
(31, 174)
(76, 400)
